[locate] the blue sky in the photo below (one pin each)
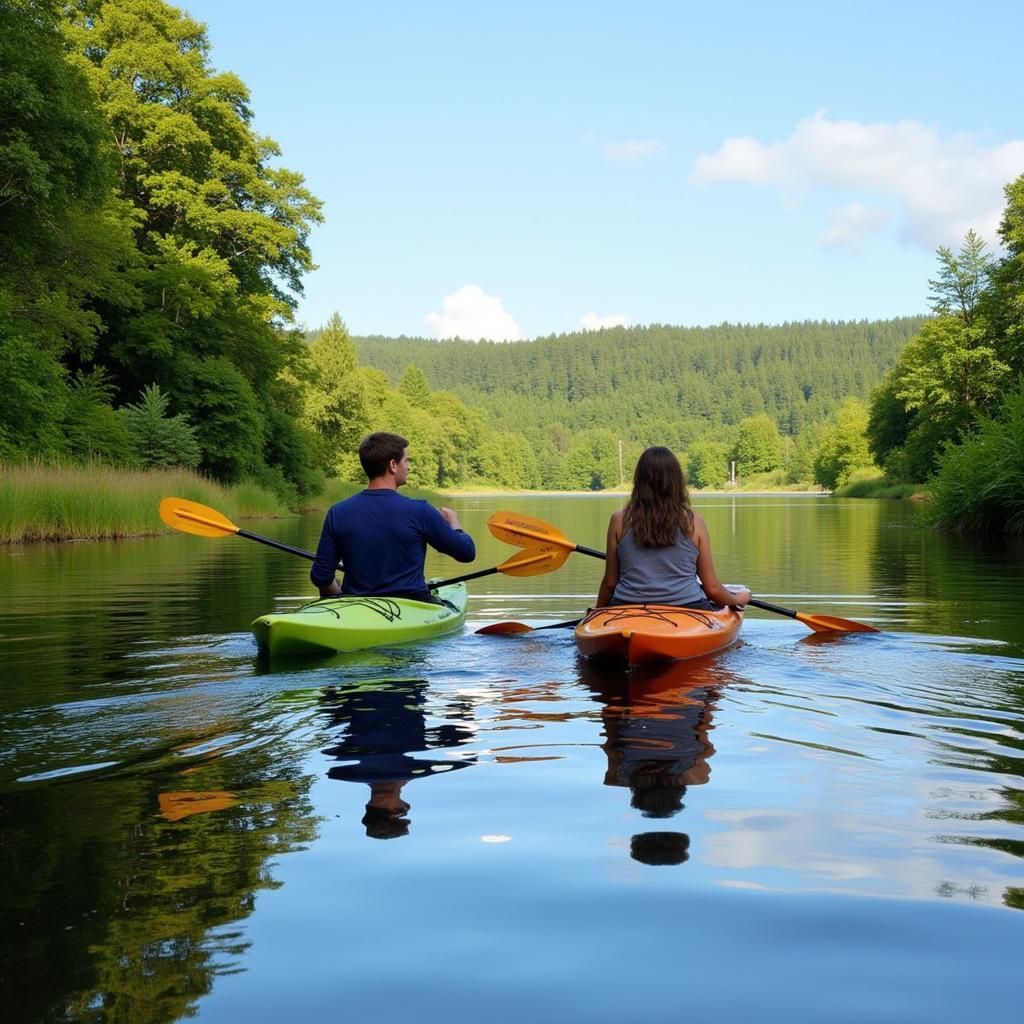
(512, 170)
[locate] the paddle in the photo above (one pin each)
(507, 628)
(519, 529)
(192, 517)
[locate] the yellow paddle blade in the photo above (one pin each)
(191, 517)
(534, 560)
(523, 530)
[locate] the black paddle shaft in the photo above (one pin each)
(277, 544)
(778, 609)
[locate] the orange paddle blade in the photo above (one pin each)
(191, 517)
(505, 628)
(534, 561)
(834, 624)
(523, 530)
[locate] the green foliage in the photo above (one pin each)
(758, 445)
(35, 393)
(93, 431)
(844, 448)
(220, 398)
(157, 438)
(800, 454)
(333, 395)
(979, 486)
(962, 281)
(953, 372)
(415, 387)
(949, 366)
(707, 464)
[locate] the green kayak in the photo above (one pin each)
(337, 624)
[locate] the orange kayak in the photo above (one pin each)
(638, 634)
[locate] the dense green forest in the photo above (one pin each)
(699, 390)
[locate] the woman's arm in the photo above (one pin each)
(611, 565)
(706, 570)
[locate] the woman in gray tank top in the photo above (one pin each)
(658, 549)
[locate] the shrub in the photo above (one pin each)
(979, 486)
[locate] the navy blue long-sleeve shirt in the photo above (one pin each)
(381, 538)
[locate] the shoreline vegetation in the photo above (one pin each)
(74, 502)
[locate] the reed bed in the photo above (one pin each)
(46, 502)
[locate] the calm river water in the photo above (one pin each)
(799, 829)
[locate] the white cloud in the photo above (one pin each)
(472, 314)
(632, 150)
(852, 224)
(942, 187)
(593, 322)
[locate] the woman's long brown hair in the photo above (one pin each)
(660, 503)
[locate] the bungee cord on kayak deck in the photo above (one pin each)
(652, 612)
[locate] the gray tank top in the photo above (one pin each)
(657, 575)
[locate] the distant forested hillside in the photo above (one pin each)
(657, 383)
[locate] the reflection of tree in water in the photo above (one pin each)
(125, 915)
(382, 725)
(656, 724)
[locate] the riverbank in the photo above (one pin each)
(101, 503)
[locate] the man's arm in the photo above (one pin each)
(445, 533)
(325, 565)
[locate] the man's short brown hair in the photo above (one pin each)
(377, 450)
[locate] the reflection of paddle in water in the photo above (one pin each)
(656, 726)
(382, 726)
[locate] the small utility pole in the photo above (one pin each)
(732, 472)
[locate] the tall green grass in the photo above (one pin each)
(46, 502)
(870, 483)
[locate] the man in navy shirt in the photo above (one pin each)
(381, 537)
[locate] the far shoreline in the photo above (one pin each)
(617, 493)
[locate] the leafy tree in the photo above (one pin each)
(844, 448)
(951, 368)
(1006, 305)
(220, 397)
(63, 240)
(334, 403)
(92, 429)
(414, 386)
(758, 445)
(962, 279)
(220, 232)
(707, 464)
(157, 438)
(800, 463)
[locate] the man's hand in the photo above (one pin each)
(449, 516)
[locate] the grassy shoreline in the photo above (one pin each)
(40, 503)
(63, 503)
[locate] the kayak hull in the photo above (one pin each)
(338, 624)
(645, 634)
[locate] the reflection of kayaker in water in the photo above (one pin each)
(656, 740)
(382, 727)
